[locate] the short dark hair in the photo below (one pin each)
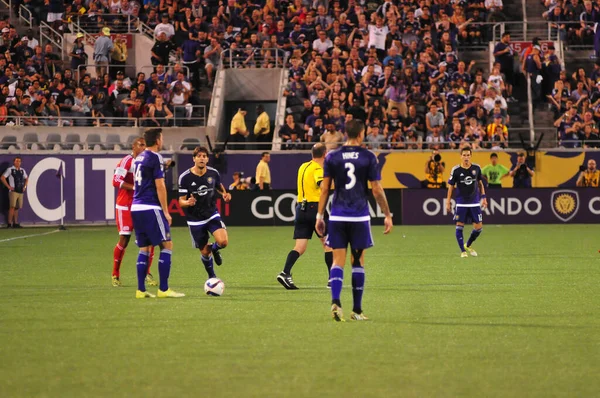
(466, 148)
(262, 155)
(200, 149)
(354, 128)
(151, 136)
(493, 155)
(318, 151)
(17, 157)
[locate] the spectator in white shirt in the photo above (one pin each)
(166, 27)
(323, 43)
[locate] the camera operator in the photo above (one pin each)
(434, 171)
(239, 183)
(590, 176)
(521, 173)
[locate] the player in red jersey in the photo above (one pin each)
(123, 181)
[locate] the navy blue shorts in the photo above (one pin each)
(151, 227)
(304, 223)
(200, 232)
(344, 233)
(468, 215)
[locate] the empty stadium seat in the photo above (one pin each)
(31, 138)
(130, 140)
(112, 140)
(94, 142)
(52, 140)
(7, 141)
(71, 140)
(190, 144)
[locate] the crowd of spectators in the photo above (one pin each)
(396, 66)
(573, 20)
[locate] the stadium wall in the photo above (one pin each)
(88, 195)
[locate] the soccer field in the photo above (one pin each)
(520, 320)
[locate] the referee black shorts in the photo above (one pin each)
(304, 224)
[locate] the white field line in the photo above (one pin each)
(29, 236)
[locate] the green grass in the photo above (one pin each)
(520, 320)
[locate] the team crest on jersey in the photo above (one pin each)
(564, 204)
(210, 180)
(474, 172)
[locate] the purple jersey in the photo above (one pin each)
(466, 182)
(351, 168)
(204, 189)
(148, 167)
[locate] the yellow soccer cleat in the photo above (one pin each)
(471, 251)
(169, 294)
(116, 282)
(464, 255)
(337, 313)
(358, 317)
(139, 294)
(150, 281)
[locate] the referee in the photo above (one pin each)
(310, 175)
(15, 180)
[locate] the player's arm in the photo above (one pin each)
(119, 179)
(226, 195)
(161, 192)
(483, 198)
(184, 201)
(325, 186)
(449, 198)
(381, 200)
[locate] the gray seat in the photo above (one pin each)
(53, 139)
(94, 139)
(190, 144)
(71, 140)
(32, 138)
(7, 141)
(130, 140)
(112, 140)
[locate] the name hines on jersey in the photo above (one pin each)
(350, 155)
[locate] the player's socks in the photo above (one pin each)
(474, 235)
(118, 254)
(142, 266)
(208, 265)
(215, 248)
(150, 259)
(328, 261)
(358, 284)
(291, 259)
(164, 269)
(336, 278)
(459, 238)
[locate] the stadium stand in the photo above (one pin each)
(386, 62)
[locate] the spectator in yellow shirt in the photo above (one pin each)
(238, 129)
(263, 173)
(262, 128)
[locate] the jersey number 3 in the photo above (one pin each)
(350, 167)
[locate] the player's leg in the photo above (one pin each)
(360, 240)
(199, 235)
(207, 260)
(149, 278)
(328, 259)
(460, 215)
(338, 240)
(477, 229)
(218, 230)
(124, 226)
(164, 269)
(143, 222)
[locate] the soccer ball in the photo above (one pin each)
(214, 287)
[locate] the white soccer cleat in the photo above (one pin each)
(471, 251)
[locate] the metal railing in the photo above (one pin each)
(25, 15)
(47, 33)
(254, 58)
(195, 118)
(127, 23)
(145, 30)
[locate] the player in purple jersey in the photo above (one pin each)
(350, 168)
(198, 189)
(150, 214)
(470, 199)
